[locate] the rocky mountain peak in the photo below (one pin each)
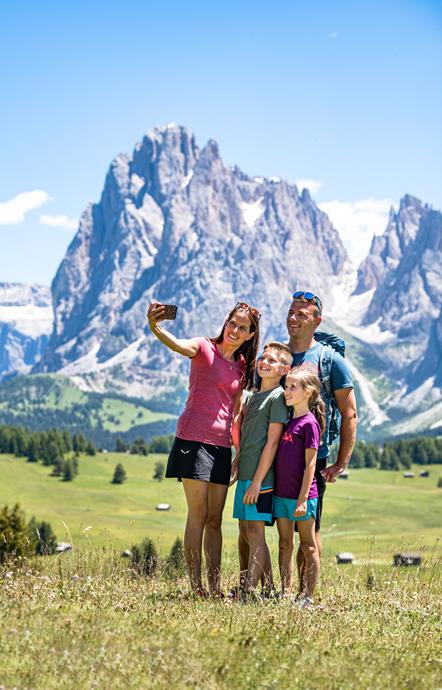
(387, 250)
(409, 298)
(174, 223)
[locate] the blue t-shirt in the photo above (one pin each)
(340, 376)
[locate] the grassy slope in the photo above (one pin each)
(24, 396)
(82, 620)
(373, 513)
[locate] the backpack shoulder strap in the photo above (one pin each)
(325, 367)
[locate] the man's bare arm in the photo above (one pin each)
(346, 402)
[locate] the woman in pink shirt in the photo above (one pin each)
(201, 454)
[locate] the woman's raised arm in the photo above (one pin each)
(186, 347)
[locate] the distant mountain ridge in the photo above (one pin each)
(25, 325)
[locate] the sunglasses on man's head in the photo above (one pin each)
(252, 310)
(308, 297)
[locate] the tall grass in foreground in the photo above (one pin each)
(84, 620)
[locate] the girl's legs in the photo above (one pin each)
(285, 530)
(196, 492)
(213, 539)
(300, 561)
(257, 553)
(309, 548)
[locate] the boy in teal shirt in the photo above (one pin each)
(257, 430)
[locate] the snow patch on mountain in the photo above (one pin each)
(348, 310)
(28, 319)
(377, 416)
(252, 212)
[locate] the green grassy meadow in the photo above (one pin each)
(83, 620)
(372, 514)
(54, 399)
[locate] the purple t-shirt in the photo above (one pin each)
(299, 434)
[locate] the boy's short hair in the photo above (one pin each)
(282, 352)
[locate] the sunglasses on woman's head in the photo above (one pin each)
(252, 310)
(308, 297)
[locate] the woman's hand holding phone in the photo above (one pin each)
(160, 312)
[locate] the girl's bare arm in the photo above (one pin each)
(309, 473)
(186, 347)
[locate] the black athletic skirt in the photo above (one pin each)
(195, 460)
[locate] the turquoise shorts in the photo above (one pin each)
(262, 510)
(285, 507)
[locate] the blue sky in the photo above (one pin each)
(345, 94)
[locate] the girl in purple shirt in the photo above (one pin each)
(296, 493)
(201, 453)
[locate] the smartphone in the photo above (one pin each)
(170, 311)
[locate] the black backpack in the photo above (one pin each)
(331, 344)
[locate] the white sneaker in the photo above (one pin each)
(304, 602)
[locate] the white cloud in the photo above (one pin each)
(14, 210)
(357, 222)
(333, 34)
(313, 186)
(60, 221)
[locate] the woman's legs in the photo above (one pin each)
(285, 530)
(309, 548)
(213, 539)
(196, 492)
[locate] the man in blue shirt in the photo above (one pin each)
(303, 319)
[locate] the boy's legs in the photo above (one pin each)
(258, 554)
(196, 493)
(309, 548)
(243, 552)
(213, 539)
(285, 530)
(267, 576)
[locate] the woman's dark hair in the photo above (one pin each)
(249, 349)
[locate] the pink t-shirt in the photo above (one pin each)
(213, 385)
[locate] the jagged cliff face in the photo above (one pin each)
(388, 249)
(175, 224)
(409, 297)
(25, 325)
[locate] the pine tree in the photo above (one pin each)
(119, 474)
(75, 463)
(68, 471)
(67, 441)
(139, 447)
(372, 455)
(120, 446)
(90, 448)
(58, 468)
(13, 533)
(158, 471)
(42, 538)
(144, 559)
(176, 556)
(32, 450)
(357, 456)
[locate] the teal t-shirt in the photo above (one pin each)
(260, 410)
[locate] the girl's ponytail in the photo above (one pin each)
(317, 407)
